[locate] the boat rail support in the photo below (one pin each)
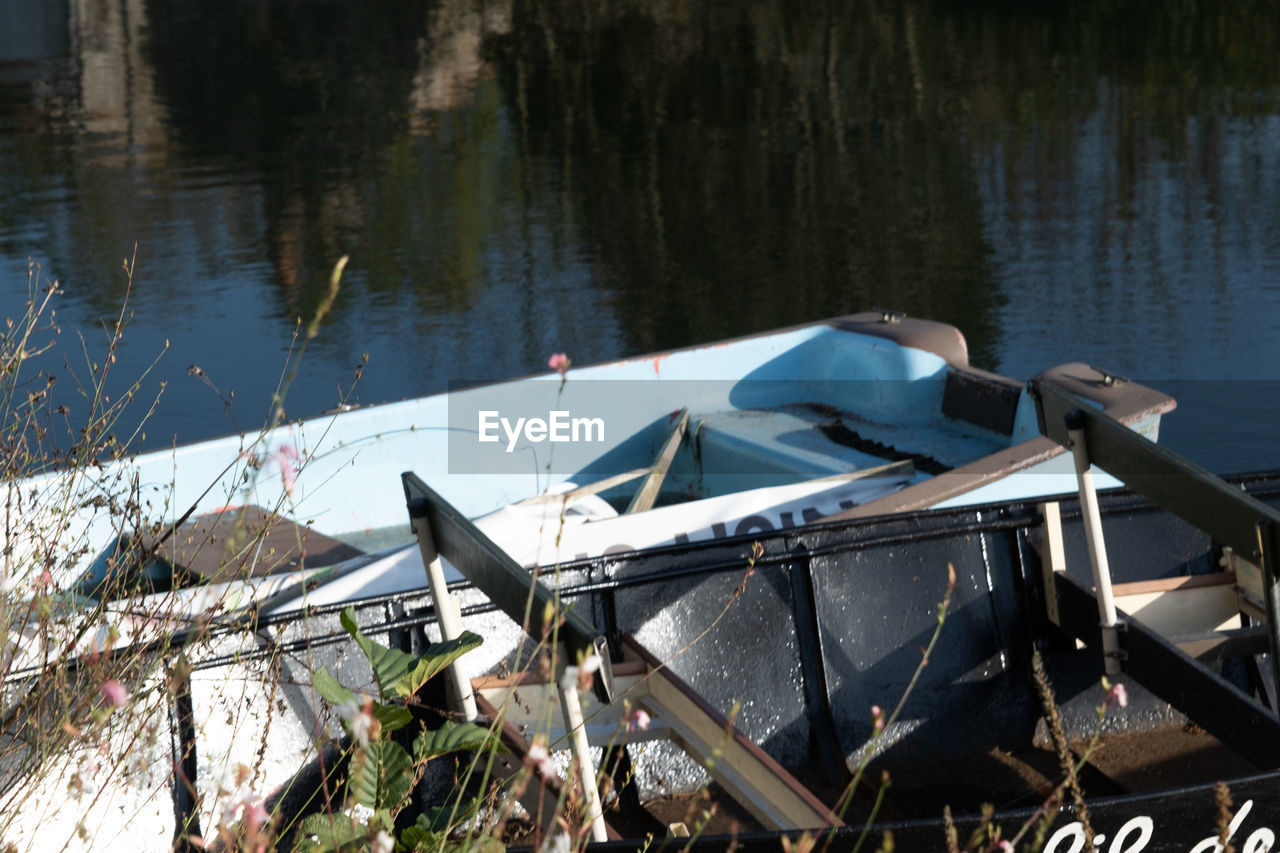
(1268, 548)
(675, 713)
(450, 618)
(575, 725)
(186, 767)
(1111, 651)
(1053, 559)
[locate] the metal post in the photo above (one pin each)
(1267, 545)
(575, 725)
(1074, 420)
(448, 615)
(185, 766)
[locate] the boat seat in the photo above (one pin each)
(771, 442)
(225, 544)
(807, 442)
(232, 543)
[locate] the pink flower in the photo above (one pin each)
(640, 719)
(115, 693)
(286, 455)
(877, 717)
(559, 362)
(255, 814)
(1118, 695)
(250, 810)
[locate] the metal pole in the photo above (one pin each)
(1271, 598)
(185, 766)
(1074, 420)
(448, 615)
(575, 725)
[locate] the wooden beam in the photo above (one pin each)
(760, 784)
(541, 799)
(648, 492)
(507, 584)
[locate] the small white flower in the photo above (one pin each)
(540, 758)
(590, 664)
(556, 842)
(357, 712)
(383, 843)
(569, 679)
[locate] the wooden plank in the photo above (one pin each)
(1054, 558)
(1173, 584)
(1217, 645)
(533, 706)
(489, 682)
(541, 800)
(648, 492)
(1184, 610)
(764, 787)
(508, 585)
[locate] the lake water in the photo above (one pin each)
(1099, 183)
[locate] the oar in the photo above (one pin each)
(648, 493)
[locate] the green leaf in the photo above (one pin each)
(485, 844)
(383, 778)
(439, 819)
(454, 737)
(329, 688)
(416, 838)
(401, 674)
(430, 832)
(324, 833)
(391, 717)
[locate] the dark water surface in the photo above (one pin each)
(605, 178)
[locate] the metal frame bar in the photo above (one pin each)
(1190, 492)
(817, 700)
(509, 585)
(1194, 494)
(1223, 710)
(186, 767)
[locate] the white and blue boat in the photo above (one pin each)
(861, 415)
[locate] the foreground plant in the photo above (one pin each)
(90, 671)
(381, 772)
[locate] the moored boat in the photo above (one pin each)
(864, 415)
(886, 405)
(805, 631)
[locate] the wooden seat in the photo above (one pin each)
(248, 541)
